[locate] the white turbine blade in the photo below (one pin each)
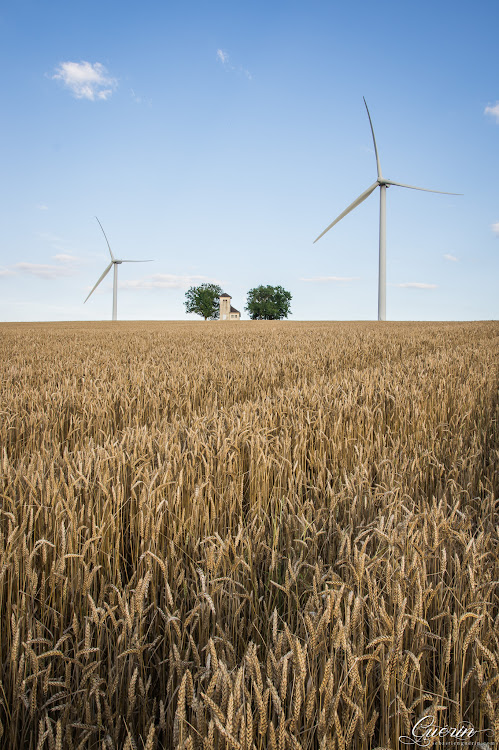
(105, 272)
(413, 187)
(137, 261)
(351, 207)
(378, 165)
(109, 246)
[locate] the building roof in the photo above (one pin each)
(225, 295)
(233, 309)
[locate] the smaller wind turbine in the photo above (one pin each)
(114, 263)
(382, 183)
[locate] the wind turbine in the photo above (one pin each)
(114, 263)
(382, 183)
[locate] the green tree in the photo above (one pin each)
(204, 300)
(268, 303)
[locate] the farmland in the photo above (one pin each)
(247, 535)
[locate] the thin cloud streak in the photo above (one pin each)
(140, 99)
(416, 285)
(86, 80)
(321, 279)
(45, 270)
(65, 258)
(223, 57)
(166, 281)
(49, 237)
(59, 244)
(450, 257)
(495, 228)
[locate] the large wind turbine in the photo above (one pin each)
(114, 263)
(382, 183)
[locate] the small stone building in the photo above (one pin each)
(227, 312)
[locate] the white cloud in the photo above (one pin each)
(453, 258)
(223, 57)
(332, 278)
(42, 207)
(59, 244)
(139, 99)
(86, 80)
(166, 281)
(54, 239)
(66, 267)
(492, 110)
(65, 258)
(416, 285)
(495, 228)
(44, 271)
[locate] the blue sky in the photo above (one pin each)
(220, 138)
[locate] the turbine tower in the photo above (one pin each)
(114, 263)
(382, 183)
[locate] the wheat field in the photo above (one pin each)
(248, 535)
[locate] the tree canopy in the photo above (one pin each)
(268, 303)
(204, 300)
